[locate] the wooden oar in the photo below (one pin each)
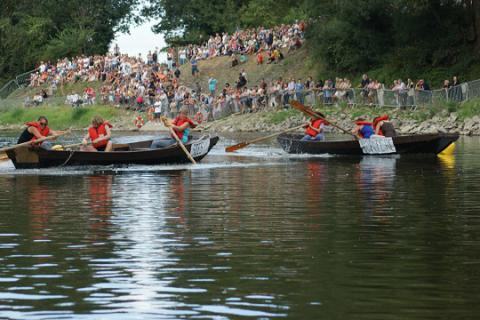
(24, 144)
(180, 143)
(308, 111)
(246, 143)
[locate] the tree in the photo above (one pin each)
(30, 32)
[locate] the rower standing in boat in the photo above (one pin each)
(314, 130)
(383, 127)
(36, 130)
(363, 129)
(99, 134)
(181, 125)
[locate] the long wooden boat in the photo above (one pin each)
(414, 144)
(122, 154)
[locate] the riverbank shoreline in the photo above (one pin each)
(406, 121)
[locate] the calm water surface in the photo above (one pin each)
(258, 235)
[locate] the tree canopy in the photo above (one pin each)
(348, 36)
(31, 31)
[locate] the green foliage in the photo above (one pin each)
(270, 13)
(469, 109)
(30, 31)
(409, 38)
(69, 42)
(185, 21)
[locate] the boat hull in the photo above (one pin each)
(414, 144)
(123, 154)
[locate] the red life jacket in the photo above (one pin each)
(101, 131)
(316, 124)
(178, 122)
(43, 131)
(376, 121)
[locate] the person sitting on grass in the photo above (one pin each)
(243, 58)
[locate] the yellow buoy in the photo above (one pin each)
(448, 150)
(57, 147)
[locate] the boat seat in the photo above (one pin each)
(121, 147)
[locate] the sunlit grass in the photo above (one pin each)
(58, 117)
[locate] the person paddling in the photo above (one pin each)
(181, 125)
(36, 130)
(99, 134)
(314, 130)
(363, 129)
(383, 127)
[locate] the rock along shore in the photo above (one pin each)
(262, 122)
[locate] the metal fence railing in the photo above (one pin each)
(273, 100)
(8, 88)
(20, 81)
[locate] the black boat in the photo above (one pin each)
(122, 154)
(414, 144)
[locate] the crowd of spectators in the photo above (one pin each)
(263, 42)
(149, 85)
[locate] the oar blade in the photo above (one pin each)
(307, 110)
(236, 147)
(4, 157)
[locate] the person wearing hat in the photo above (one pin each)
(363, 129)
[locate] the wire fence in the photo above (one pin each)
(20, 81)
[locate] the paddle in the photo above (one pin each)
(308, 111)
(180, 143)
(23, 144)
(246, 143)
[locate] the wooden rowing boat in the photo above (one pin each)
(414, 144)
(122, 154)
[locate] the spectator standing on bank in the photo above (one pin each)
(212, 85)
(194, 64)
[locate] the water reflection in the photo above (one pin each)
(321, 238)
(375, 179)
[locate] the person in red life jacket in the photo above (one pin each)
(314, 130)
(181, 125)
(99, 134)
(383, 127)
(36, 130)
(363, 129)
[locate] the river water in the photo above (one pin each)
(256, 235)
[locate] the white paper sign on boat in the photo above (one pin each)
(377, 145)
(200, 148)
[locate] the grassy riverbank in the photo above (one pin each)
(448, 117)
(61, 117)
